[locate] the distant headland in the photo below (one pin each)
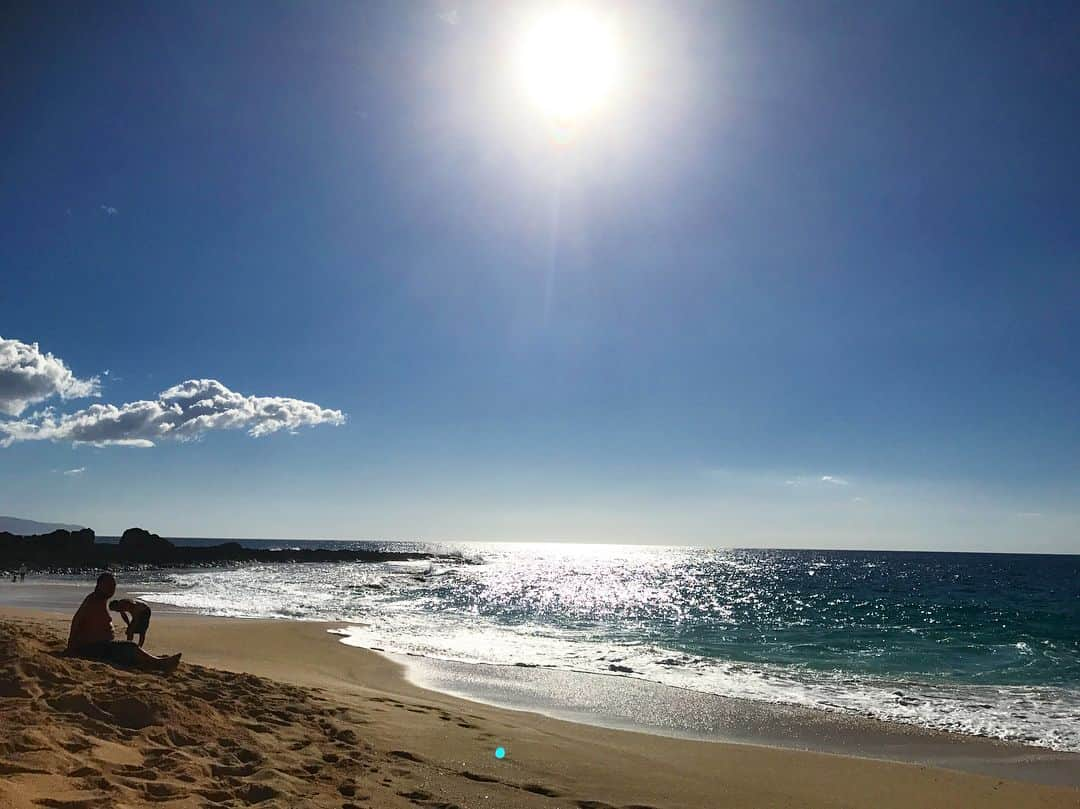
(21, 527)
(64, 550)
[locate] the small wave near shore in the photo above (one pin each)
(932, 640)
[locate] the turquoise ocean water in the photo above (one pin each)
(984, 644)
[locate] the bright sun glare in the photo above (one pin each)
(568, 64)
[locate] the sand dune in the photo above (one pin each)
(337, 728)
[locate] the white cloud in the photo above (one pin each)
(184, 412)
(448, 13)
(109, 210)
(74, 473)
(823, 480)
(28, 376)
(835, 481)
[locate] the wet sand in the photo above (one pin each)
(628, 703)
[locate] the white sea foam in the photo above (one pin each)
(395, 607)
(1044, 717)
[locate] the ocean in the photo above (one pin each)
(982, 644)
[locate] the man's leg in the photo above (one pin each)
(145, 660)
(142, 639)
(141, 659)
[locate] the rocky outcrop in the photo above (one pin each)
(138, 544)
(79, 550)
(39, 551)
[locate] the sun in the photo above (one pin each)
(567, 62)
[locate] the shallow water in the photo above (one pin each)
(984, 644)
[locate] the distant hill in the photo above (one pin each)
(25, 528)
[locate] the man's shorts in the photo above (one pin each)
(140, 623)
(124, 652)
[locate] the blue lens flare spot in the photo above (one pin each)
(500, 752)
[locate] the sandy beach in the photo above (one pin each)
(276, 713)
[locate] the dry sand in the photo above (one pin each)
(278, 714)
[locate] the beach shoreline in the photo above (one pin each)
(634, 705)
(620, 766)
(612, 702)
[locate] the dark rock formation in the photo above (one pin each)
(78, 550)
(38, 551)
(138, 544)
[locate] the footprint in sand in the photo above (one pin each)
(231, 770)
(348, 790)
(179, 739)
(82, 772)
(247, 756)
(139, 773)
(215, 795)
(12, 768)
(548, 792)
(487, 779)
(163, 792)
(347, 736)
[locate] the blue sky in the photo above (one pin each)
(811, 280)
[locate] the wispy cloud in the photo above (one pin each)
(74, 473)
(109, 210)
(29, 376)
(817, 480)
(184, 412)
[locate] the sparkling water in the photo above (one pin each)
(984, 644)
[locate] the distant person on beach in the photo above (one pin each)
(92, 633)
(22, 573)
(136, 615)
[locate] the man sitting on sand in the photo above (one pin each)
(92, 633)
